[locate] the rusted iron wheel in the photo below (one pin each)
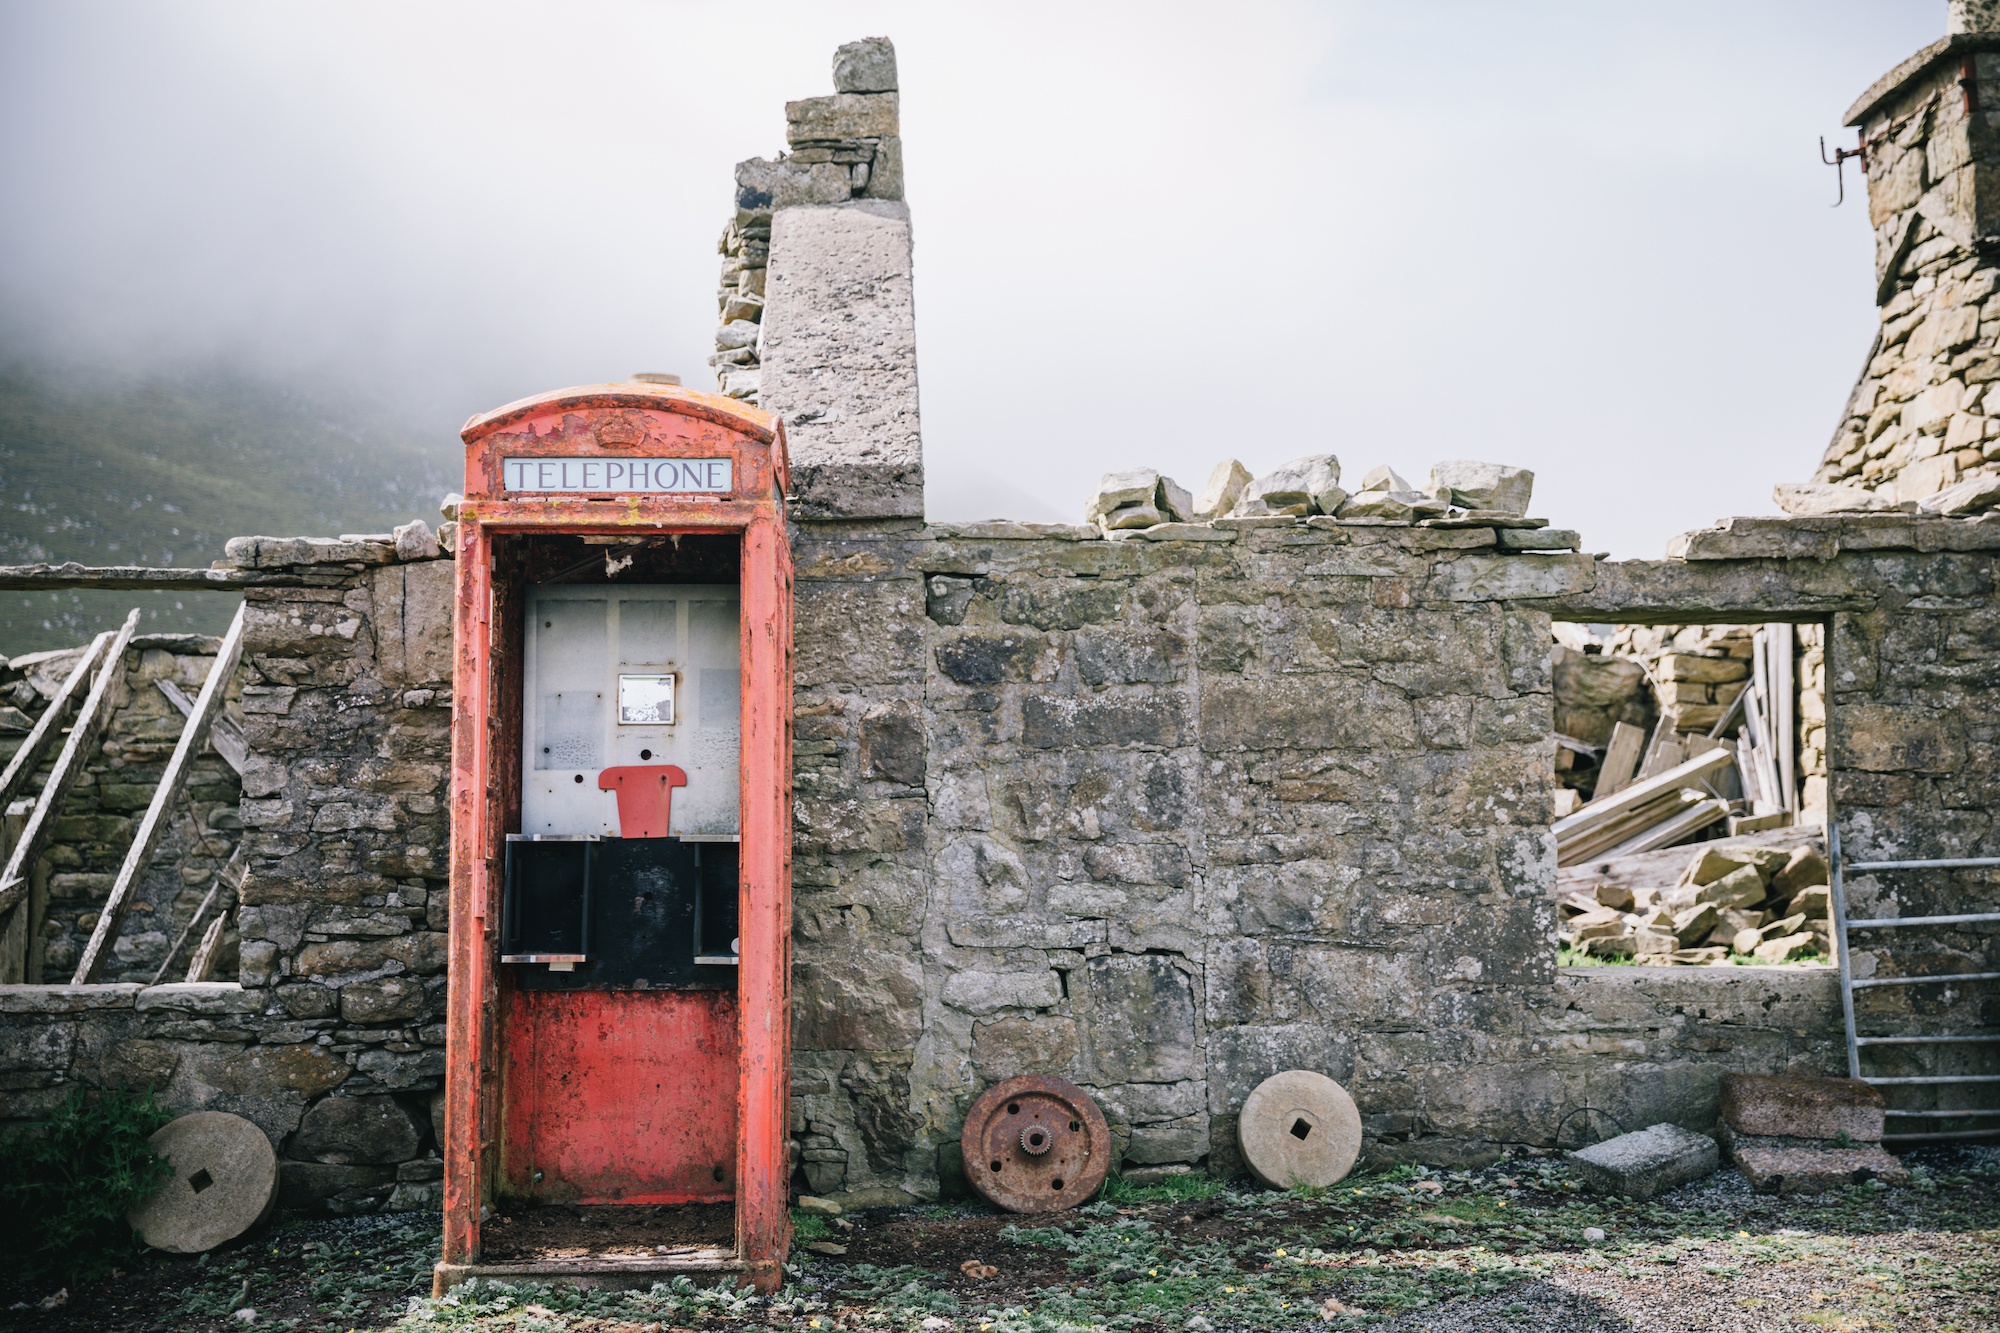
(1035, 1144)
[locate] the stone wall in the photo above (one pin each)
(332, 1040)
(1165, 816)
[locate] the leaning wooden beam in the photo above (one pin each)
(1688, 773)
(82, 740)
(193, 737)
(134, 578)
(202, 965)
(1621, 757)
(208, 900)
(29, 757)
(227, 738)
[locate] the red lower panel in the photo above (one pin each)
(620, 1096)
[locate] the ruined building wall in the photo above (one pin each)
(333, 1040)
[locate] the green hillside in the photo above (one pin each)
(163, 471)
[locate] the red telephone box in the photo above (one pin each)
(618, 1029)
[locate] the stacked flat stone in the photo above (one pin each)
(844, 147)
(1144, 503)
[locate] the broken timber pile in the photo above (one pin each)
(1688, 781)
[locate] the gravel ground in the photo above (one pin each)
(1516, 1246)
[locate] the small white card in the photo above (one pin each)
(646, 701)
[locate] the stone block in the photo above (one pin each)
(1802, 1106)
(65, 999)
(1805, 868)
(1641, 1164)
(867, 1000)
(340, 1189)
(818, 120)
(1308, 485)
(989, 992)
(1011, 1046)
(387, 1000)
(283, 552)
(1183, 1140)
(839, 358)
(1239, 1058)
(866, 66)
(1490, 486)
(1813, 1170)
(199, 997)
(1498, 578)
(357, 1131)
(1136, 1019)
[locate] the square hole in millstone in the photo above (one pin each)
(1301, 1127)
(200, 1180)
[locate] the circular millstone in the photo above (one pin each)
(1299, 1128)
(225, 1181)
(1035, 1144)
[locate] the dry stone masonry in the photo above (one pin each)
(1203, 788)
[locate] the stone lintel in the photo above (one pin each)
(67, 999)
(1679, 592)
(133, 578)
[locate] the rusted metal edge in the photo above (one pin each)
(730, 412)
(135, 578)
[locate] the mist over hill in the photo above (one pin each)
(163, 469)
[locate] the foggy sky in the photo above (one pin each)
(1589, 238)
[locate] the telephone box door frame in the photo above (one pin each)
(621, 425)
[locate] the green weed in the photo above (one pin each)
(69, 1182)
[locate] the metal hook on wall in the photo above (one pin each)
(1837, 161)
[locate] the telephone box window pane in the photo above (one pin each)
(646, 701)
(571, 639)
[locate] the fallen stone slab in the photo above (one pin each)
(1802, 1106)
(1647, 1161)
(1813, 1170)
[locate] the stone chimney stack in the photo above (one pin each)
(818, 307)
(1925, 412)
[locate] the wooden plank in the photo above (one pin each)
(215, 886)
(1685, 774)
(224, 736)
(1592, 843)
(202, 966)
(1696, 818)
(90, 720)
(13, 924)
(29, 757)
(1784, 687)
(1621, 758)
(193, 736)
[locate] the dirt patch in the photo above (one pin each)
(567, 1231)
